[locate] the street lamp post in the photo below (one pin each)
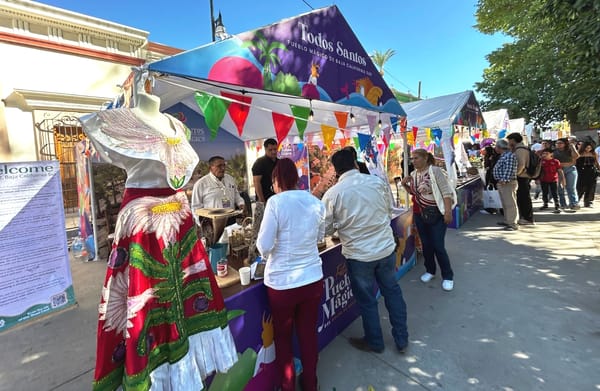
(216, 25)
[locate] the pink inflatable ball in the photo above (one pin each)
(238, 71)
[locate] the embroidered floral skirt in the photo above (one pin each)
(163, 323)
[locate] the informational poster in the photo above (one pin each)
(35, 277)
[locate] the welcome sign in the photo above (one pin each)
(35, 278)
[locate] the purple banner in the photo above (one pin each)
(315, 55)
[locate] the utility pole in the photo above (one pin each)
(212, 20)
(419, 91)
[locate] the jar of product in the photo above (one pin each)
(222, 267)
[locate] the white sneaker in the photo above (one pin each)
(448, 285)
(427, 277)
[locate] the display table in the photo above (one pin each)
(470, 200)
(248, 306)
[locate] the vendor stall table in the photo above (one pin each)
(248, 305)
(470, 200)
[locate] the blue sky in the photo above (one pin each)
(434, 40)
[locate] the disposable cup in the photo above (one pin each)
(244, 275)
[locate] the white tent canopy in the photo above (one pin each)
(496, 120)
(439, 112)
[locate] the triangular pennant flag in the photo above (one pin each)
(213, 108)
(363, 141)
(386, 135)
(301, 113)
(343, 142)
(342, 119)
(282, 123)
(372, 120)
(328, 135)
(415, 130)
(403, 124)
(357, 143)
(238, 111)
(394, 122)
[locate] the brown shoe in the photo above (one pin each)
(361, 344)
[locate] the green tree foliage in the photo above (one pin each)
(552, 67)
(380, 58)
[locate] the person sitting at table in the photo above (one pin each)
(216, 189)
(292, 225)
(162, 319)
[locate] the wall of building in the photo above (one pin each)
(56, 61)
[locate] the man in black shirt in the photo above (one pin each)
(262, 170)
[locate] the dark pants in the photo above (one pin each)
(299, 308)
(586, 186)
(362, 276)
(550, 188)
(433, 239)
(524, 199)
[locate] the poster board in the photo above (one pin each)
(35, 276)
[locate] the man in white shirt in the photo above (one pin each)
(360, 208)
(216, 189)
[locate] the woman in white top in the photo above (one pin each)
(292, 225)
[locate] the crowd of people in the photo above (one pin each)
(357, 206)
(569, 169)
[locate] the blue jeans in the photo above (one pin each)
(434, 247)
(362, 276)
(571, 187)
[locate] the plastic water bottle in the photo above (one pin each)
(78, 249)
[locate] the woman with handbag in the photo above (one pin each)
(433, 199)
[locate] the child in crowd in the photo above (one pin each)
(551, 173)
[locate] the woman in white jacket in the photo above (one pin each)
(293, 223)
(433, 199)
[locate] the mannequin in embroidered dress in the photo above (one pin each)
(163, 322)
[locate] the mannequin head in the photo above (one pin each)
(148, 103)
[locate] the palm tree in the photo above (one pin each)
(380, 58)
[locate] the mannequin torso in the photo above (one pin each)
(148, 111)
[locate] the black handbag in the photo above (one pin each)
(431, 214)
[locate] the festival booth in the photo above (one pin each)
(307, 82)
(498, 123)
(441, 125)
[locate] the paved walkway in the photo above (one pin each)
(524, 315)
